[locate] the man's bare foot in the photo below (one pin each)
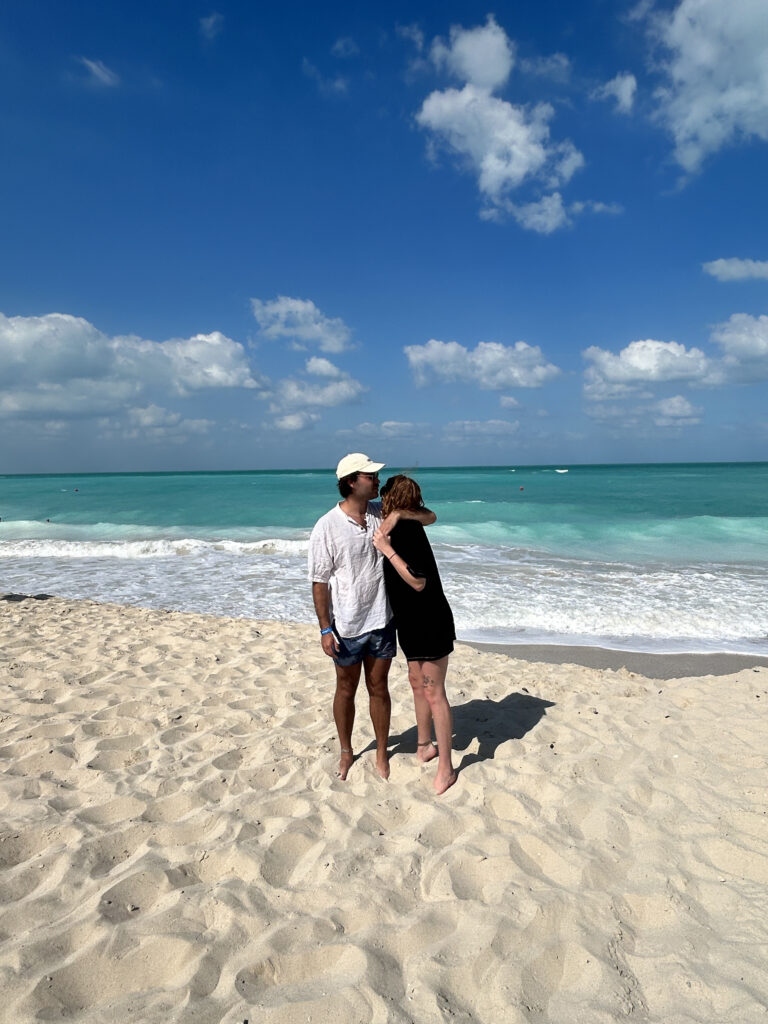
(346, 760)
(382, 764)
(443, 782)
(426, 751)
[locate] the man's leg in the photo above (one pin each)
(347, 678)
(376, 677)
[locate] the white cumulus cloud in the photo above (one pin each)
(62, 364)
(319, 367)
(490, 364)
(482, 56)
(736, 269)
(302, 323)
(545, 216)
(744, 342)
(296, 420)
(154, 423)
(676, 411)
(613, 375)
(621, 89)
(557, 67)
(714, 55)
(295, 400)
(292, 392)
(505, 146)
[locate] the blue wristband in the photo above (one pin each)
(326, 631)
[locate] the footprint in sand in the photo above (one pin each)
(95, 980)
(134, 895)
(120, 809)
(283, 858)
(302, 976)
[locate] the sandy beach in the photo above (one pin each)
(175, 847)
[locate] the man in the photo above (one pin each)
(356, 627)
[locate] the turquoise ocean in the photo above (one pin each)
(665, 557)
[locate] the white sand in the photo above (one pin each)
(174, 846)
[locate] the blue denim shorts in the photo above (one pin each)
(379, 643)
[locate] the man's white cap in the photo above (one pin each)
(357, 463)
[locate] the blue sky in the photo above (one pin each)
(254, 236)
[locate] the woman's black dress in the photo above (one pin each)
(423, 618)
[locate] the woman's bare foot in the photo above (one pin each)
(382, 764)
(346, 761)
(444, 781)
(426, 751)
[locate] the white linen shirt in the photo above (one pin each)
(341, 554)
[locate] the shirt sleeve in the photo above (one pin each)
(319, 558)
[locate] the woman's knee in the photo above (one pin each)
(415, 676)
(434, 691)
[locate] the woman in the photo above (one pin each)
(424, 623)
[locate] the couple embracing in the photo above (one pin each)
(374, 578)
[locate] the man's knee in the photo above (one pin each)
(347, 678)
(377, 675)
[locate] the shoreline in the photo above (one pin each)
(649, 664)
(644, 663)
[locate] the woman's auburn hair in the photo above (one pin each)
(400, 492)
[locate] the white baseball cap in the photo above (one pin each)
(357, 463)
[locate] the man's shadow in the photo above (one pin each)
(490, 722)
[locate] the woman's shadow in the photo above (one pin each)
(490, 722)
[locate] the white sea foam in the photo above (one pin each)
(622, 558)
(184, 546)
(522, 595)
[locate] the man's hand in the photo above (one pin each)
(322, 601)
(330, 647)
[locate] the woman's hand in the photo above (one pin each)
(382, 543)
(391, 522)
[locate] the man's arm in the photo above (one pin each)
(322, 602)
(425, 516)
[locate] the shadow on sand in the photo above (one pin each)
(490, 722)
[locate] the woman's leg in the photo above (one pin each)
(433, 673)
(425, 751)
